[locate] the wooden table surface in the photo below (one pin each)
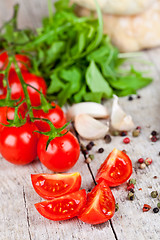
(19, 219)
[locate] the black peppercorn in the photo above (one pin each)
(100, 150)
(107, 138)
(153, 133)
(130, 98)
(156, 210)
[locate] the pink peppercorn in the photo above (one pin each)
(148, 161)
(141, 160)
(126, 140)
(138, 128)
(131, 186)
(154, 139)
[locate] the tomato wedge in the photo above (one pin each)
(62, 208)
(100, 206)
(50, 186)
(116, 169)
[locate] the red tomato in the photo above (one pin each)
(22, 60)
(3, 90)
(62, 152)
(3, 117)
(18, 145)
(62, 208)
(29, 78)
(50, 186)
(100, 206)
(116, 169)
(55, 115)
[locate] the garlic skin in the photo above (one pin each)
(119, 119)
(93, 109)
(90, 128)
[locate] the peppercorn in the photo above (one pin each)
(130, 98)
(135, 133)
(89, 146)
(132, 181)
(107, 138)
(146, 208)
(138, 96)
(115, 133)
(139, 128)
(131, 186)
(100, 150)
(142, 165)
(91, 156)
(154, 133)
(131, 196)
(88, 160)
(154, 194)
(84, 150)
(141, 160)
(123, 133)
(148, 161)
(124, 151)
(131, 190)
(158, 204)
(116, 207)
(154, 139)
(156, 210)
(126, 140)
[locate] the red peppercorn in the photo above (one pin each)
(126, 140)
(138, 128)
(148, 161)
(131, 186)
(141, 160)
(146, 208)
(154, 139)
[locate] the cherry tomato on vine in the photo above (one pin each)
(3, 90)
(62, 152)
(116, 169)
(100, 206)
(18, 145)
(62, 208)
(29, 78)
(51, 186)
(23, 61)
(55, 115)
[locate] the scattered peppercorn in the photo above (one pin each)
(123, 133)
(135, 133)
(115, 133)
(154, 133)
(141, 160)
(146, 208)
(132, 181)
(154, 194)
(142, 165)
(130, 98)
(156, 210)
(91, 156)
(148, 161)
(126, 140)
(107, 138)
(139, 128)
(89, 146)
(155, 177)
(154, 139)
(84, 150)
(131, 190)
(158, 204)
(116, 207)
(130, 187)
(131, 196)
(138, 96)
(159, 153)
(140, 189)
(88, 160)
(100, 150)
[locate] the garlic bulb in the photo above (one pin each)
(90, 128)
(91, 108)
(119, 119)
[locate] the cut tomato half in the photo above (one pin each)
(50, 186)
(100, 206)
(62, 208)
(116, 169)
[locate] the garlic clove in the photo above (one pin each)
(93, 109)
(119, 119)
(90, 128)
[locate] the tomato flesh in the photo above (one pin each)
(62, 152)
(62, 208)
(55, 115)
(100, 206)
(50, 186)
(116, 169)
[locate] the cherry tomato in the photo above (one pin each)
(55, 115)
(29, 78)
(62, 208)
(100, 206)
(50, 186)
(22, 60)
(116, 169)
(62, 152)
(3, 90)
(18, 145)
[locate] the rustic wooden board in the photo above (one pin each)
(20, 221)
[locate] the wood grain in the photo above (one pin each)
(19, 219)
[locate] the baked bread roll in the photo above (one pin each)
(133, 33)
(119, 7)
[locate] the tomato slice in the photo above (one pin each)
(100, 206)
(50, 186)
(62, 208)
(116, 169)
